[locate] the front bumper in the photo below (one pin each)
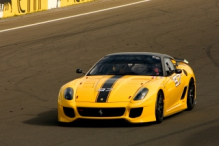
(138, 112)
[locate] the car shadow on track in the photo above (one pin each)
(103, 124)
(48, 118)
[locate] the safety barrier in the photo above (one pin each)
(10, 8)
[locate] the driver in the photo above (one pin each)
(156, 69)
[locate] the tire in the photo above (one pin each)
(159, 107)
(191, 95)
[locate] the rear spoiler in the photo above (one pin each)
(181, 60)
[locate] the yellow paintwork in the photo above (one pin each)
(21, 7)
(124, 90)
(72, 2)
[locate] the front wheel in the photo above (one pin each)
(159, 107)
(191, 96)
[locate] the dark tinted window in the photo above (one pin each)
(128, 65)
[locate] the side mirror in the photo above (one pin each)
(79, 71)
(178, 71)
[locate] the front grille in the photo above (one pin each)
(135, 112)
(69, 112)
(101, 112)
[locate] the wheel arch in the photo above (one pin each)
(161, 90)
(192, 79)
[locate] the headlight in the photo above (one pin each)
(141, 94)
(68, 94)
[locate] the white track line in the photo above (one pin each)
(83, 14)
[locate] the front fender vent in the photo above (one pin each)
(184, 93)
(185, 72)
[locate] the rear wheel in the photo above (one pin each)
(159, 107)
(191, 95)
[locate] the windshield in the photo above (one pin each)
(128, 65)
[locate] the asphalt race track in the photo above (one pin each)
(36, 61)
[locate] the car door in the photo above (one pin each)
(173, 86)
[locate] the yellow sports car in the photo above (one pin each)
(138, 87)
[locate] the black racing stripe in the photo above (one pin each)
(103, 95)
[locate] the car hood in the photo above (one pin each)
(109, 88)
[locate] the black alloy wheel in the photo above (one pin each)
(191, 96)
(159, 107)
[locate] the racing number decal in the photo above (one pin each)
(177, 79)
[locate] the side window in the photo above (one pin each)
(169, 67)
